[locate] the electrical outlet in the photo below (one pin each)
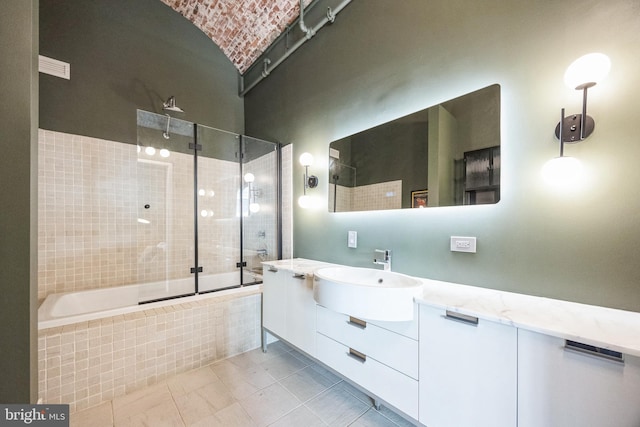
(463, 244)
(352, 239)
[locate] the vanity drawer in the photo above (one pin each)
(386, 383)
(394, 350)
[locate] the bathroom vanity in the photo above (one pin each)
(470, 356)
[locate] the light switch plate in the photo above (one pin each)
(352, 239)
(463, 244)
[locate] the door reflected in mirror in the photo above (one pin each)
(444, 155)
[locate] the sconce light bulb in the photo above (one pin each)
(164, 153)
(563, 172)
(249, 177)
(305, 202)
(150, 151)
(587, 70)
(254, 207)
(306, 159)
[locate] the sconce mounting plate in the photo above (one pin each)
(312, 181)
(571, 130)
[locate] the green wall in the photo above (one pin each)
(384, 59)
(127, 55)
(124, 55)
(18, 201)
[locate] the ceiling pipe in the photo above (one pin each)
(329, 18)
(308, 31)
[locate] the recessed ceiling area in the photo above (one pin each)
(242, 29)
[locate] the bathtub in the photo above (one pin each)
(80, 306)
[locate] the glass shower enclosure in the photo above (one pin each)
(207, 208)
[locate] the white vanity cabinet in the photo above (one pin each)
(468, 371)
(381, 357)
(274, 299)
(288, 308)
(559, 387)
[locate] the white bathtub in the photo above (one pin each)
(72, 307)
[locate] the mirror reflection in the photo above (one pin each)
(444, 155)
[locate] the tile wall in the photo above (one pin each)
(87, 363)
(111, 215)
(385, 195)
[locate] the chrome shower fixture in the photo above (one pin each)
(166, 134)
(170, 105)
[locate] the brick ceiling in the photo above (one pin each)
(243, 29)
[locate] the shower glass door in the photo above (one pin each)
(260, 202)
(207, 207)
(164, 227)
(218, 209)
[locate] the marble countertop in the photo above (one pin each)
(609, 328)
(299, 265)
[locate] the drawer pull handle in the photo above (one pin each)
(272, 269)
(356, 355)
(358, 323)
(299, 275)
(463, 318)
(594, 351)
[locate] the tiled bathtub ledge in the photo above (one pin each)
(86, 363)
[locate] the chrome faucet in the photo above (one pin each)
(382, 257)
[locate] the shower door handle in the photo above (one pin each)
(241, 264)
(193, 270)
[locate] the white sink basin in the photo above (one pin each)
(366, 293)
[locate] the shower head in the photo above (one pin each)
(170, 105)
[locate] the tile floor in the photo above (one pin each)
(279, 388)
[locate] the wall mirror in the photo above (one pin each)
(444, 155)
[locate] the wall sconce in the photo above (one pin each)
(583, 73)
(254, 206)
(310, 181)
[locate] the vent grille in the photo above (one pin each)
(54, 67)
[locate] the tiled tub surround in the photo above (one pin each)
(384, 195)
(87, 363)
(92, 194)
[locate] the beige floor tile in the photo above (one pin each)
(257, 356)
(204, 402)
(269, 404)
(283, 365)
(308, 383)
(164, 415)
(191, 380)
(373, 418)
(242, 382)
(300, 416)
(231, 416)
(337, 407)
(242, 392)
(98, 416)
(141, 401)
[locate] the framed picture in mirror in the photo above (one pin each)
(419, 198)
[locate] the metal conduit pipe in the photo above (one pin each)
(308, 31)
(329, 18)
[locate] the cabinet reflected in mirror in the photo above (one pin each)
(444, 155)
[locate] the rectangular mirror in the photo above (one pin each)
(444, 155)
